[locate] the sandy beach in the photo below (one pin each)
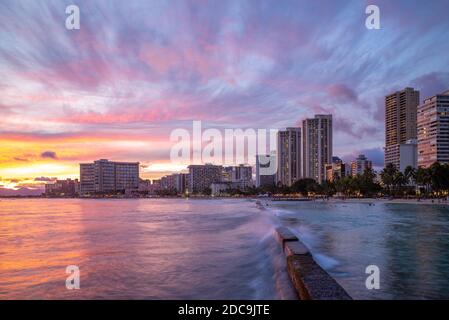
(381, 200)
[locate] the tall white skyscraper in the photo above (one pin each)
(317, 146)
(289, 156)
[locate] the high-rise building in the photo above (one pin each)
(87, 178)
(336, 170)
(317, 146)
(126, 175)
(202, 176)
(168, 182)
(433, 130)
(103, 176)
(181, 182)
(175, 182)
(289, 156)
(359, 165)
(240, 175)
(400, 122)
(262, 178)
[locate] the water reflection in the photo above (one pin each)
(140, 249)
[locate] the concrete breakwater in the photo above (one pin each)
(310, 280)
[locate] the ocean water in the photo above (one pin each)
(409, 243)
(216, 249)
(140, 249)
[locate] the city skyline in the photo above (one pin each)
(75, 96)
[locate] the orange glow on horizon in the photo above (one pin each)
(23, 160)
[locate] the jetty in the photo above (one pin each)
(310, 280)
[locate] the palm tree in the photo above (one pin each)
(367, 184)
(424, 178)
(388, 176)
(445, 173)
(410, 175)
(399, 181)
(340, 185)
(328, 188)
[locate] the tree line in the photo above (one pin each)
(432, 181)
(427, 182)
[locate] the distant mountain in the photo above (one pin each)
(4, 192)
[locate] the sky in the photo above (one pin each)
(136, 70)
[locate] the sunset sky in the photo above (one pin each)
(136, 70)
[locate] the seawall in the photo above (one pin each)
(310, 280)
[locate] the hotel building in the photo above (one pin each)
(103, 176)
(433, 130)
(126, 175)
(317, 146)
(241, 175)
(264, 180)
(400, 122)
(168, 182)
(181, 182)
(202, 176)
(176, 182)
(87, 178)
(233, 177)
(336, 170)
(359, 165)
(289, 156)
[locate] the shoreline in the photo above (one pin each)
(310, 200)
(371, 201)
(385, 201)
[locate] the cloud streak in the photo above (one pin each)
(137, 70)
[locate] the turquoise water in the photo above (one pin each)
(408, 242)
